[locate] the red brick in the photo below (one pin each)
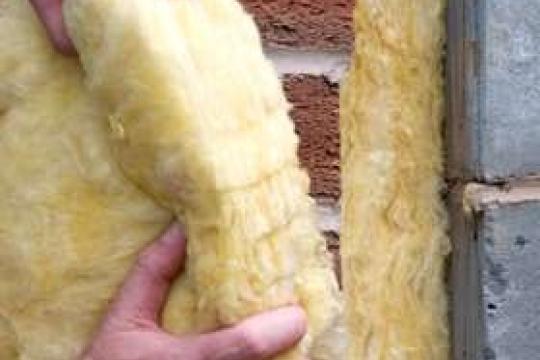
(306, 24)
(315, 112)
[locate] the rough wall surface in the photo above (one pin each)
(511, 45)
(307, 24)
(315, 110)
(494, 52)
(510, 249)
(394, 239)
(507, 250)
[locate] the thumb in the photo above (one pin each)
(259, 337)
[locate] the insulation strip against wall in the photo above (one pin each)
(393, 236)
(173, 111)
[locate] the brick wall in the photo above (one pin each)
(304, 24)
(309, 42)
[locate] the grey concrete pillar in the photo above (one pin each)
(493, 138)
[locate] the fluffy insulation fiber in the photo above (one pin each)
(393, 236)
(171, 111)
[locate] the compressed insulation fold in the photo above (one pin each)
(394, 225)
(171, 111)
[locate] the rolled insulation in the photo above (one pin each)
(173, 111)
(394, 239)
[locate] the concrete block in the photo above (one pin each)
(506, 247)
(510, 121)
(493, 72)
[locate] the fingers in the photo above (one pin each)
(142, 296)
(50, 13)
(259, 337)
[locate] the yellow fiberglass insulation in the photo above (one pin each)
(172, 111)
(393, 237)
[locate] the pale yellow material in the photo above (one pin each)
(175, 111)
(393, 236)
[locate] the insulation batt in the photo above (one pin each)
(394, 226)
(172, 111)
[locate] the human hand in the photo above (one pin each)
(130, 330)
(50, 13)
